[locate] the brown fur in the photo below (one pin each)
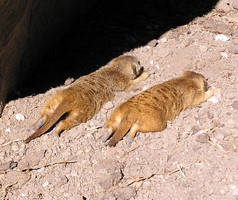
(150, 110)
(85, 97)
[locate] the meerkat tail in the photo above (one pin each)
(38, 124)
(44, 123)
(124, 127)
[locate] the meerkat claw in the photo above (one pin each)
(105, 136)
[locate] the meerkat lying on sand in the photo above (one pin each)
(150, 110)
(85, 97)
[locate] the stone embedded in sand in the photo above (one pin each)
(221, 37)
(235, 105)
(224, 54)
(233, 48)
(195, 129)
(108, 173)
(202, 138)
(4, 166)
(216, 26)
(235, 4)
(20, 117)
(125, 193)
(34, 158)
(153, 43)
(8, 130)
(45, 184)
(213, 99)
(108, 106)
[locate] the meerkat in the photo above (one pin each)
(84, 98)
(150, 110)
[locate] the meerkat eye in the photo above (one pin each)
(138, 62)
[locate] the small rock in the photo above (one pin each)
(203, 48)
(15, 147)
(195, 129)
(235, 4)
(125, 193)
(163, 40)
(221, 37)
(202, 138)
(224, 54)
(45, 184)
(223, 6)
(2, 140)
(8, 130)
(151, 62)
(153, 43)
(20, 117)
(13, 164)
(233, 48)
(4, 166)
(235, 105)
(34, 158)
(219, 136)
(108, 173)
(62, 181)
(108, 106)
(213, 99)
(216, 26)
(23, 163)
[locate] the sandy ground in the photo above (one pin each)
(194, 158)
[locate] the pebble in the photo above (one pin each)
(233, 48)
(151, 62)
(203, 48)
(163, 40)
(109, 105)
(45, 184)
(219, 136)
(8, 130)
(2, 140)
(13, 164)
(235, 105)
(15, 147)
(195, 129)
(213, 99)
(202, 138)
(222, 37)
(224, 54)
(153, 43)
(20, 117)
(235, 4)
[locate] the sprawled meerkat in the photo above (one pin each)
(85, 97)
(150, 110)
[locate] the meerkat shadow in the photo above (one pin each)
(101, 35)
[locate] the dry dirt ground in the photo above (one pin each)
(194, 158)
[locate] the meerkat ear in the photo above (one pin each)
(187, 73)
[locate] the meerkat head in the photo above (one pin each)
(128, 65)
(198, 78)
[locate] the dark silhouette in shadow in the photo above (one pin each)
(108, 30)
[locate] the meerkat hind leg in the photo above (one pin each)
(133, 132)
(73, 119)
